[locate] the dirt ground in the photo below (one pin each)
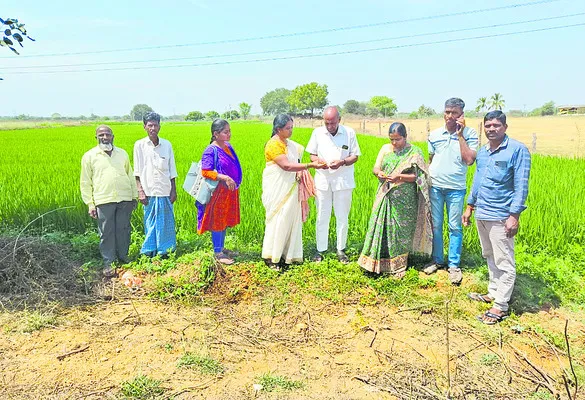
(554, 135)
(338, 351)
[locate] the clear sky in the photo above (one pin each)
(527, 69)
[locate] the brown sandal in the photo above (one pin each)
(230, 253)
(223, 259)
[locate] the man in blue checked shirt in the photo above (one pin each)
(498, 196)
(452, 148)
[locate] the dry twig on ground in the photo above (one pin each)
(61, 357)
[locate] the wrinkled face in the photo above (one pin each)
(105, 139)
(224, 135)
(450, 115)
(286, 131)
(152, 128)
(495, 130)
(104, 136)
(398, 142)
(332, 122)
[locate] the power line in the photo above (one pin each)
(294, 49)
(295, 34)
(302, 55)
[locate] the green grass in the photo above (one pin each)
(141, 387)
(31, 321)
(541, 395)
(489, 359)
(197, 272)
(271, 383)
(205, 365)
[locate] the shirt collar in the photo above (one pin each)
(502, 145)
(340, 131)
(446, 132)
(150, 143)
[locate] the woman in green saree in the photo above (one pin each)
(401, 219)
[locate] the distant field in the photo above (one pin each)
(555, 135)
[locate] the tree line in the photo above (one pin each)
(308, 102)
(311, 98)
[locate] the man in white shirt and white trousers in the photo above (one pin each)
(337, 146)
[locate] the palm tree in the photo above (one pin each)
(482, 104)
(497, 102)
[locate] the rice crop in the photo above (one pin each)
(39, 172)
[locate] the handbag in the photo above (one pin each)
(199, 187)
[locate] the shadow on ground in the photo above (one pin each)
(532, 294)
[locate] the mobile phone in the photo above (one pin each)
(458, 125)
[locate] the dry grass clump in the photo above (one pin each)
(34, 273)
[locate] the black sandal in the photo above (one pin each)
(496, 318)
(482, 298)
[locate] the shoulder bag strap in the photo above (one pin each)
(215, 157)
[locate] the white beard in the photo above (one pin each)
(106, 146)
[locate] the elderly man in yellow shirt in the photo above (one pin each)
(108, 188)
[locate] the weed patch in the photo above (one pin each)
(141, 387)
(205, 365)
(271, 383)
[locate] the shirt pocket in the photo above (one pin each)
(344, 151)
(162, 164)
(500, 171)
(119, 167)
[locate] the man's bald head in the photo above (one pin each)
(103, 128)
(331, 117)
(331, 112)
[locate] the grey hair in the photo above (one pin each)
(455, 102)
(332, 108)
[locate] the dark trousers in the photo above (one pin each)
(114, 228)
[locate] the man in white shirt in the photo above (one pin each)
(155, 172)
(337, 146)
(452, 148)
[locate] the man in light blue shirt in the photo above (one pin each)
(498, 196)
(451, 149)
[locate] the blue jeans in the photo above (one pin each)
(453, 199)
